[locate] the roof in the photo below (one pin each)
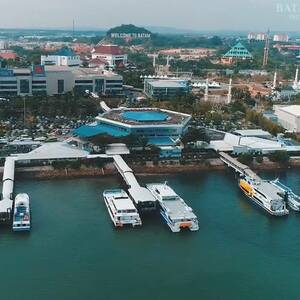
(176, 207)
(168, 83)
(292, 109)
(57, 150)
(108, 49)
(65, 52)
(8, 55)
(98, 61)
(116, 116)
(88, 131)
(238, 51)
(252, 133)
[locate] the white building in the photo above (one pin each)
(113, 54)
(283, 38)
(64, 57)
(288, 116)
(55, 80)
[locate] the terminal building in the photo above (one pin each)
(165, 89)
(288, 116)
(161, 127)
(57, 80)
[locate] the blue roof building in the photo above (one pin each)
(161, 127)
(63, 57)
(237, 52)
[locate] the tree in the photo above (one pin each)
(246, 158)
(281, 157)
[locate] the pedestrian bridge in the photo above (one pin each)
(6, 202)
(237, 166)
(141, 196)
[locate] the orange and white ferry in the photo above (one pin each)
(264, 194)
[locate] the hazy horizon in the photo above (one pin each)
(233, 15)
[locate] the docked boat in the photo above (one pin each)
(293, 200)
(121, 209)
(265, 195)
(177, 214)
(21, 216)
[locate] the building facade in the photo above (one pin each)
(64, 57)
(112, 54)
(288, 117)
(166, 89)
(56, 80)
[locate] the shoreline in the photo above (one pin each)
(49, 173)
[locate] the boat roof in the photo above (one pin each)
(268, 189)
(164, 190)
(120, 199)
(176, 208)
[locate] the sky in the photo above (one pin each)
(197, 15)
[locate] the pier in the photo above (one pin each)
(237, 166)
(6, 202)
(141, 196)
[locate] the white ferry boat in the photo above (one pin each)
(174, 210)
(293, 200)
(121, 209)
(264, 194)
(21, 217)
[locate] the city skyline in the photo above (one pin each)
(196, 15)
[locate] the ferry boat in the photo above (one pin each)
(177, 214)
(21, 216)
(121, 209)
(264, 194)
(293, 200)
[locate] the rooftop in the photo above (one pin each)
(238, 51)
(292, 109)
(65, 52)
(108, 49)
(145, 116)
(57, 150)
(168, 83)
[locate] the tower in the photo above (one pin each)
(154, 61)
(275, 81)
(266, 50)
(296, 81)
(229, 96)
(206, 91)
(296, 76)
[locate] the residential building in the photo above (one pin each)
(53, 80)
(288, 116)
(281, 38)
(113, 54)
(257, 36)
(165, 89)
(63, 57)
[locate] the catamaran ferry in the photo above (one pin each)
(264, 194)
(21, 217)
(121, 209)
(173, 209)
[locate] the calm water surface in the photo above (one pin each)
(73, 251)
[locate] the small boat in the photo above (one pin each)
(177, 214)
(121, 209)
(21, 216)
(293, 200)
